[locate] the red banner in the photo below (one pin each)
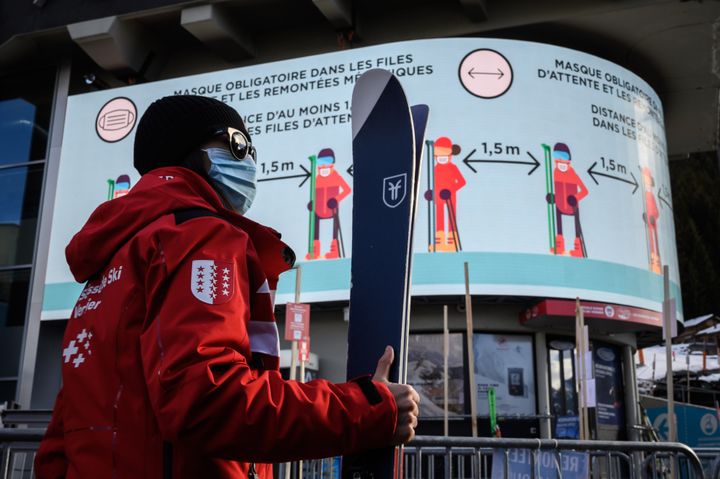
(616, 312)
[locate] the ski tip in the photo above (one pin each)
(420, 109)
(366, 93)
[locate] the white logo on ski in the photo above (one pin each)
(394, 190)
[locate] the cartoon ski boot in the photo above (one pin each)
(451, 241)
(333, 253)
(440, 245)
(559, 245)
(316, 251)
(577, 251)
(655, 264)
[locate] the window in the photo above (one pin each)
(25, 107)
(425, 372)
(505, 362)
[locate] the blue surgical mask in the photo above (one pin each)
(236, 179)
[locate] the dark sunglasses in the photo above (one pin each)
(239, 144)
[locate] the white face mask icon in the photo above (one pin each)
(443, 159)
(563, 167)
(325, 172)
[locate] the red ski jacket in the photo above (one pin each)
(329, 187)
(568, 184)
(447, 177)
(651, 209)
(170, 357)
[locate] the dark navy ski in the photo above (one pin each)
(386, 154)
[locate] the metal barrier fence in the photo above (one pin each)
(430, 457)
(18, 447)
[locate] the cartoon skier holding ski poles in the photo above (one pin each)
(565, 192)
(327, 190)
(444, 181)
(651, 214)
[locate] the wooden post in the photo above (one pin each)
(471, 355)
(654, 360)
(581, 348)
(669, 380)
(293, 364)
(446, 352)
(687, 375)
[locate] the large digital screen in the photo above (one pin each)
(545, 169)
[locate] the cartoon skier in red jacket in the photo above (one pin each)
(330, 190)
(448, 180)
(569, 192)
(650, 217)
(170, 358)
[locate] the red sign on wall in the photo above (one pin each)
(304, 350)
(297, 321)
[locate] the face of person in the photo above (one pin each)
(562, 165)
(325, 170)
(647, 179)
(442, 155)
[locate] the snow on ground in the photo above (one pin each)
(695, 321)
(710, 378)
(681, 353)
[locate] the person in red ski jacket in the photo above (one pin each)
(171, 354)
(330, 190)
(650, 217)
(569, 191)
(448, 180)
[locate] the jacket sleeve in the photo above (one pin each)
(458, 178)
(50, 460)
(582, 190)
(345, 189)
(199, 383)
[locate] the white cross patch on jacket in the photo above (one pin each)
(212, 281)
(78, 350)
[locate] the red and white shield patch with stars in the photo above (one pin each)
(212, 281)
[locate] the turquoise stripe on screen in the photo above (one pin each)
(447, 269)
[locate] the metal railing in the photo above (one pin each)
(460, 457)
(430, 457)
(18, 447)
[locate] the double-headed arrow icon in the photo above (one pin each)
(304, 176)
(473, 73)
(535, 163)
(593, 173)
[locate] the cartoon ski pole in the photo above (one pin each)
(452, 217)
(341, 243)
(311, 226)
(429, 195)
(111, 188)
(549, 188)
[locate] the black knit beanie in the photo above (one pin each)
(173, 126)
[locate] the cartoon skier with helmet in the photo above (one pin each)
(565, 191)
(327, 190)
(651, 213)
(444, 181)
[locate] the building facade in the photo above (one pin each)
(611, 89)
